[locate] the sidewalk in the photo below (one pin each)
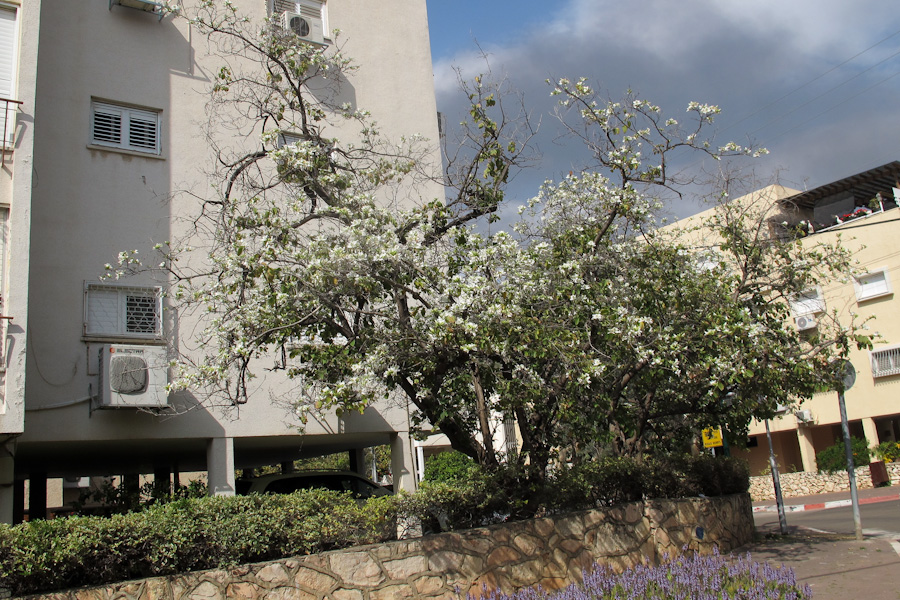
(835, 566)
(832, 500)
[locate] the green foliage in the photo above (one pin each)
(834, 457)
(448, 467)
(202, 533)
(184, 535)
(887, 451)
(110, 499)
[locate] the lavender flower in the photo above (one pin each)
(688, 577)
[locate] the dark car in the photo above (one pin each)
(285, 483)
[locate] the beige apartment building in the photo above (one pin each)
(74, 193)
(861, 210)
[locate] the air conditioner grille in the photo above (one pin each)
(127, 374)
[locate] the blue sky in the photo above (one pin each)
(817, 82)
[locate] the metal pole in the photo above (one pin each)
(851, 470)
(776, 481)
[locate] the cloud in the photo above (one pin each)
(774, 67)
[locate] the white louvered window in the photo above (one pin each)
(7, 73)
(872, 285)
(885, 362)
(125, 127)
(112, 310)
(809, 302)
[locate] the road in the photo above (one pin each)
(883, 516)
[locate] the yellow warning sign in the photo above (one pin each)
(712, 438)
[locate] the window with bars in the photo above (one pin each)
(121, 311)
(886, 362)
(873, 284)
(125, 127)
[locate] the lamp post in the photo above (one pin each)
(846, 377)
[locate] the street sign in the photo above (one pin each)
(712, 438)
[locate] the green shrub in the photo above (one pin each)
(449, 467)
(834, 457)
(888, 451)
(203, 533)
(185, 535)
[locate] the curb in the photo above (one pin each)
(823, 505)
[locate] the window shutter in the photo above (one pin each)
(7, 70)
(107, 126)
(141, 314)
(142, 129)
(103, 311)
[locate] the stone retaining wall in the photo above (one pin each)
(550, 551)
(807, 484)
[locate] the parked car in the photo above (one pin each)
(285, 483)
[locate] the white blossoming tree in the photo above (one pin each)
(588, 327)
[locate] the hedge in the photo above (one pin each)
(204, 533)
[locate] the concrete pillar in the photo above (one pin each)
(18, 501)
(162, 480)
(357, 458)
(807, 450)
(402, 463)
(871, 432)
(7, 487)
(420, 461)
(37, 496)
(220, 466)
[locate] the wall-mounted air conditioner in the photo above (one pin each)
(133, 376)
(145, 5)
(306, 27)
(804, 416)
(805, 322)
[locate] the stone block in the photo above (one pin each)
(347, 594)
(502, 556)
(312, 579)
(290, 593)
(274, 574)
(206, 589)
(156, 588)
(404, 568)
(445, 561)
(392, 592)
(429, 584)
(528, 544)
(356, 568)
(244, 591)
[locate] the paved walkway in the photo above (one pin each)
(837, 567)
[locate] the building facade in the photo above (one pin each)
(861, 211)
(108, 148)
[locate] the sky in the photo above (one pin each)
(816, 82)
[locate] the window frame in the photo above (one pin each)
(894, 351)
(128, 114)
(95, 330)
(861, 296)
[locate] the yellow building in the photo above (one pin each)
(860, 211)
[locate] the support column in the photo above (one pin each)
(7, 487)
(420, 461)
(807, 450)
(220, 466)
(357, 458)
(37, 496)
(18, 501)
(162, 480)
(871, 432)
(402, 463)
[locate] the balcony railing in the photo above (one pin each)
(10, 107)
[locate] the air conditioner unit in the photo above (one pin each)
(133, 376)
(306, 27)
(150, 6)
(804, 416)
(805, 322)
